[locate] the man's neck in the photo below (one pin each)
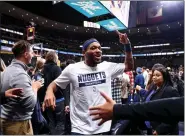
(90, 64)
(22, 60)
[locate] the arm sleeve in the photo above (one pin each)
(116, 69)
(142, 92)
(158, 110)
(57, 72)
(28, 96)
(64, 79)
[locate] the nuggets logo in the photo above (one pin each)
(91, 79)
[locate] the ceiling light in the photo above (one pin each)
(169, 26)
(37, 17)
(52, 25)
(9, 10)
(67, 26)
(55, 23)
(13, 8)
(166, 25)
(32, 19)
(27, 14)
(22, 15)
(46, 21)
(178, 22)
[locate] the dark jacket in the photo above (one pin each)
(50, 72)
(165, 110)
(167, 92)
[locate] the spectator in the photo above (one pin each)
(162, 88)
(16, 112)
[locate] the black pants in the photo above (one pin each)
(56, 119)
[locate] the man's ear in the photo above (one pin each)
(25, 54)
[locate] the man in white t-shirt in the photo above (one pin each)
(87, 79)
(145, 75)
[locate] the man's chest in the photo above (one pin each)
(85, 78)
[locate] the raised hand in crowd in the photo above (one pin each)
(123, 37)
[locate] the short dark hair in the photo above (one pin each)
(20, 48)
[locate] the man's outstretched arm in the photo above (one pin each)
(164, 110)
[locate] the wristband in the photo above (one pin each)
(127, 48)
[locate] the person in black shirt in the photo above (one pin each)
(164, 110)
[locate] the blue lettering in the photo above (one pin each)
(79, 78)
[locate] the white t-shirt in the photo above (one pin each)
(146, 77)
(87, 82)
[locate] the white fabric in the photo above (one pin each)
(87, 82)
(126, 81)
(146, 77)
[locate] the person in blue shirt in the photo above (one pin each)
(139, 79)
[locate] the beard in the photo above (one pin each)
(91, 59)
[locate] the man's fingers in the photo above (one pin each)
(101, 122)
(117, 32)
(107, 98)
(94, 108)
(17, 89)
(14, 96)
(97, 117)
(96, 112)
